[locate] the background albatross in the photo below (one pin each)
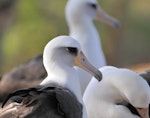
(80, 15)
(59, 95)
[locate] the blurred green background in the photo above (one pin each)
(28, 25)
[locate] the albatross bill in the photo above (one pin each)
(82, 62)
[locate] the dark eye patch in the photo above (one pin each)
(72, 50)
(93, 5)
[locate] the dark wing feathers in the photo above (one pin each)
(71, 105)
(146, 75)
(43, 102)
(18, 96)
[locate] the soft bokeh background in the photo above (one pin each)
(27, 25)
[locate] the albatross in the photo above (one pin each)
(105, 99)
(80, 15)
(59, 94)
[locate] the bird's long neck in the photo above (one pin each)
(65, 76)
(85, 32)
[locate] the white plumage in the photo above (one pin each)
(103, 99)
(80, 15)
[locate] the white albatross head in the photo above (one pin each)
(116, 86)
(77, 10)
(64, 52)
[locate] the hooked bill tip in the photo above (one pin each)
(98, 76)
(117, 24)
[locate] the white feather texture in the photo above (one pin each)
(117, 85)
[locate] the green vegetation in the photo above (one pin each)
(37, 22)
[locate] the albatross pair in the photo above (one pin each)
(80, 14)
(59, 95)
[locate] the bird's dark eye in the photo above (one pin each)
(72, 50)
(93, 6)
